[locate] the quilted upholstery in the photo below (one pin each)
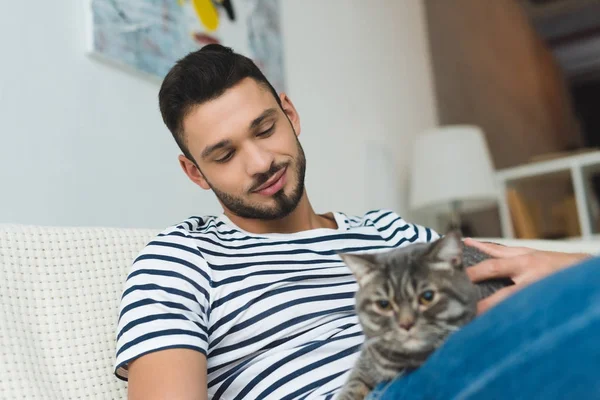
(59, 291)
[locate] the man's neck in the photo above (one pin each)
(303, 218)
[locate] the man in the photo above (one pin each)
(253, 303)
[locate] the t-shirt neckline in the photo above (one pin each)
(340, 219)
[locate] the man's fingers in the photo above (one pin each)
(496, 298)
(495, 268)
(496, 250)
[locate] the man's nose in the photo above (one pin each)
(259, 160)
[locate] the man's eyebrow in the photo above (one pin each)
(209, 149)
(265, 114)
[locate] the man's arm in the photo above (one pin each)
(178, 374)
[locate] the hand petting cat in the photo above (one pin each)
(523, 265)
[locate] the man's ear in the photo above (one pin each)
(290, 112)
(193, 172)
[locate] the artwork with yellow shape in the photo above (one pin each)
(207, 14)
(151, 35)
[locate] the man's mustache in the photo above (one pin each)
(261, 178)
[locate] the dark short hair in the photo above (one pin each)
(201, 76)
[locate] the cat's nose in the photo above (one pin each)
(407, 324)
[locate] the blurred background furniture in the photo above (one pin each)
(574, 214)
(452, 173)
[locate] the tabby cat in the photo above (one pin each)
(409, 300)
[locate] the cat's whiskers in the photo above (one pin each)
(370, 325)
(448, 327)
(372, 341)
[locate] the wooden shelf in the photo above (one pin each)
(576, 166)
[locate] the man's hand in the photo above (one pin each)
(523, 265)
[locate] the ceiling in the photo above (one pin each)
(572, 30)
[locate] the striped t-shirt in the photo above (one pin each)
(273, 313)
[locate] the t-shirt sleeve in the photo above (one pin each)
(425, 234)
(165, 302)
(400, 232)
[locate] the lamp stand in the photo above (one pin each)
(455, 220)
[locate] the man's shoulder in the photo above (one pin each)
(194, 225)
(392, 226)
(372, 218)
(181, 240)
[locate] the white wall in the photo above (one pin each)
(82, 143)
(360, 75)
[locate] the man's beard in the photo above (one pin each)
(284, 203)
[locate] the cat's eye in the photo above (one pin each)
(383, 305)
(426, 297)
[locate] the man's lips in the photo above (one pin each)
(273, 180)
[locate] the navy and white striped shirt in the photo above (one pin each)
(273, 313)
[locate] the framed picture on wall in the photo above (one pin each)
(149, 36)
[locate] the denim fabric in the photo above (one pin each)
(541, 343)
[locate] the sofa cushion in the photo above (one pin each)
(60, 289)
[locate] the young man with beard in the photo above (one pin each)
(254, 302)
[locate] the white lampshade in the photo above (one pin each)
(452, 164)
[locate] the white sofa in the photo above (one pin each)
(59, 292)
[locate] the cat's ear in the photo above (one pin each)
(447, 252)
(363, 266)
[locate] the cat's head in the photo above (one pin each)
(411, 298)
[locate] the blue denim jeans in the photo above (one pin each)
(541, 343)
